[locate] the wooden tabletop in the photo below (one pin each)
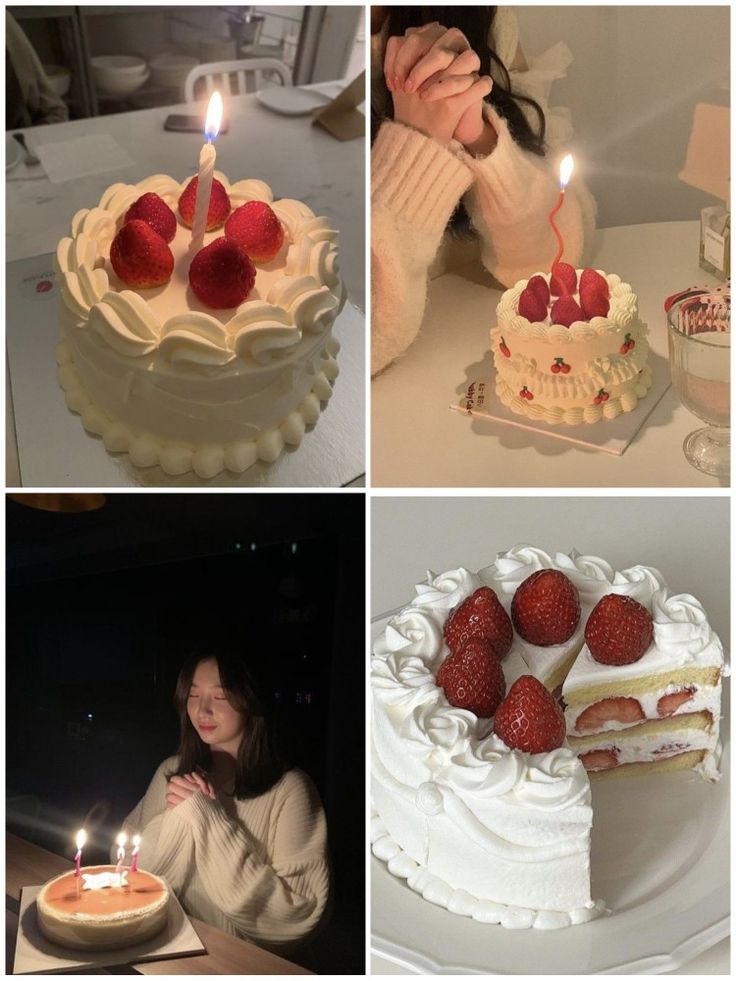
(27, 864)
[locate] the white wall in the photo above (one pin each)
(636, 77)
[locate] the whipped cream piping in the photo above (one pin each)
(125, 322)
(458, 901)
(209, 460)
(308, 297)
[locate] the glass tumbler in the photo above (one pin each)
(700, 360)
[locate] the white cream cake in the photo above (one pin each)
(586, 372)
(171, 382)
(491, 832)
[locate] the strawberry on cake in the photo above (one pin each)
(569, 347)
(480, 783)
(203, 360)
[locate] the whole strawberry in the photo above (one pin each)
(592, 279)
(532, 306)
(566, 311)
(257, 229)
(473, 679)
(529, 718)
(218, 210)
(140, 257)
(538, 284)
(546, 608)
(619, 630)
(594, 302)
(564, 279)
(480, 615)
(221, 274)
(155, 212)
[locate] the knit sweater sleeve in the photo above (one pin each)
(167, 846)
(416, 184)
(509, 203)
(273, 891)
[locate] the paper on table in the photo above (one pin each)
(69, 159)
(479, 399)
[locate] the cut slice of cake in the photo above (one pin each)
(661, 711)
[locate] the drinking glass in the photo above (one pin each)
(700, 361)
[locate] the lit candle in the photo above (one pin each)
(565, 173)
(206, 171)
(80, 842)
(134, 855)
(121, 841)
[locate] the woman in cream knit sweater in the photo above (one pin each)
(452, 147)
(242, 843)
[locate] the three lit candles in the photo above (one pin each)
(121, 841)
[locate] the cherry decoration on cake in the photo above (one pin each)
(472, 678)
(560, 366)
(628, 344)
(526, 394)
(504, 348)
(480, 616)
(255, 226)
(221, 274)
(602, 396)
(545, 609)
(619, 630)
(529, 718)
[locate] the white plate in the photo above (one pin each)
(13, 153)
(660, 860)
(290, 101)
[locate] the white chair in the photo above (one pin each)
(247, 75)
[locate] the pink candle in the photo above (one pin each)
(565, 173)
(134, 855)
(79, 841)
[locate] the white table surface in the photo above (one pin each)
(469, 531)
(297, 159)
(417, 441)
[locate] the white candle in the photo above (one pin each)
(121, 840)
(206, 171)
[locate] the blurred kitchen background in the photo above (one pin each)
(101, 60)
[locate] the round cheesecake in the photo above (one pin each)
(102, 918)
(172, 382)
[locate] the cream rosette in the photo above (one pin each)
(413, 633)
(403, 680)
(511, 568)
(681, 627)
(440, 594)
(433, 733)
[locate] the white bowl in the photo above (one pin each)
(118, 65)
(60, 78)
(120, 87)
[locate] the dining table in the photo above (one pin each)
(419, 441)
(29, 864)
(299, 159)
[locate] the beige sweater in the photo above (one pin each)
(256, 868)
(416, 185)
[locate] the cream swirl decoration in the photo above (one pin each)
(305, 301)
(440, 594)
(404, 680)
(681, 627)
(640, 582)
(434, 733)
(511, 568)
(413, 633)
(553, 781)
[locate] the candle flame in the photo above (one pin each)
(214, 117)
(81, 839)
(136, 842)
(566, 168)
(121, 840)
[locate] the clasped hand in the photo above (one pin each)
(432, 74)
(182, 788)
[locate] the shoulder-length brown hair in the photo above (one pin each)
(258, 765)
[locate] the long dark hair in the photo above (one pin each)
(476, 24)
(258, 765)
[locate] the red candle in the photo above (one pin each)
(565, 173)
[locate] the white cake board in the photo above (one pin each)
(34, 954)
(611, 436)
(54, 449)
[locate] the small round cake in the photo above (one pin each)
(578, 358)
(168, 373)
(90, 915)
